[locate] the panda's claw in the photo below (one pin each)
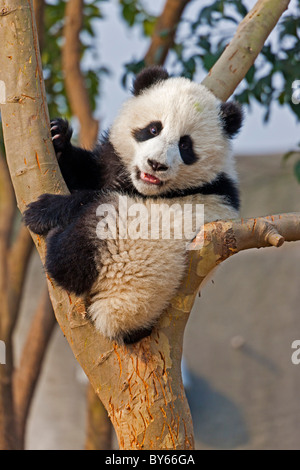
(61, 133)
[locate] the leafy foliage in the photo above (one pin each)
(294, 153)
(51, 55)
(199, 43)
(201, 40)
(134, 12)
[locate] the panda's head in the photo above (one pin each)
(173, 134)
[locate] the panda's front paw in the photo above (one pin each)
(40, 216)
(61, 134)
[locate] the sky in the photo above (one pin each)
(118, 45)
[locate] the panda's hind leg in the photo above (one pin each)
(136, 335)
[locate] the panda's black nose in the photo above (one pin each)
(157, 166)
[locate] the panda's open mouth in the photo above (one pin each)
(149, 179)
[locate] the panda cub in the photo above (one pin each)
(168, 147)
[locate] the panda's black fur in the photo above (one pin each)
(82, 263)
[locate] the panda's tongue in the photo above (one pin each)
(149, 178)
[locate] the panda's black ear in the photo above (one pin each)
(149, 77)
(232, 117)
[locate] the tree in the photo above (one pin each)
(150, 408)
(16, 252)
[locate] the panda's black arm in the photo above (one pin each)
(81, 169)
(70, 259)
(55, 210)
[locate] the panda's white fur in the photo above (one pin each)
(138, 278)
(127, 283)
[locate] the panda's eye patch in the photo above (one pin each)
(153, 129)
(186, 150)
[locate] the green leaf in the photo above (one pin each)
(129, 13)
(250, 74)
(132, 68)
(288, 155)
(241, 8)
(230, 18)
(297, 170)
(148, 26)
(189, 68)
(204, 43)
(288, 27)
(165, 33)
(178, 49)
(281, 98)
(210, 59)
(243, 97)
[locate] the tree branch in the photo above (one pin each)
(39, 10)
(7, 206)
(98, 424)
(74, 81)
(245, 46)
(164, 32)
(7, 214)
(223, 239)
(18, 258)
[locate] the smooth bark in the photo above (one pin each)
(74, 80)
